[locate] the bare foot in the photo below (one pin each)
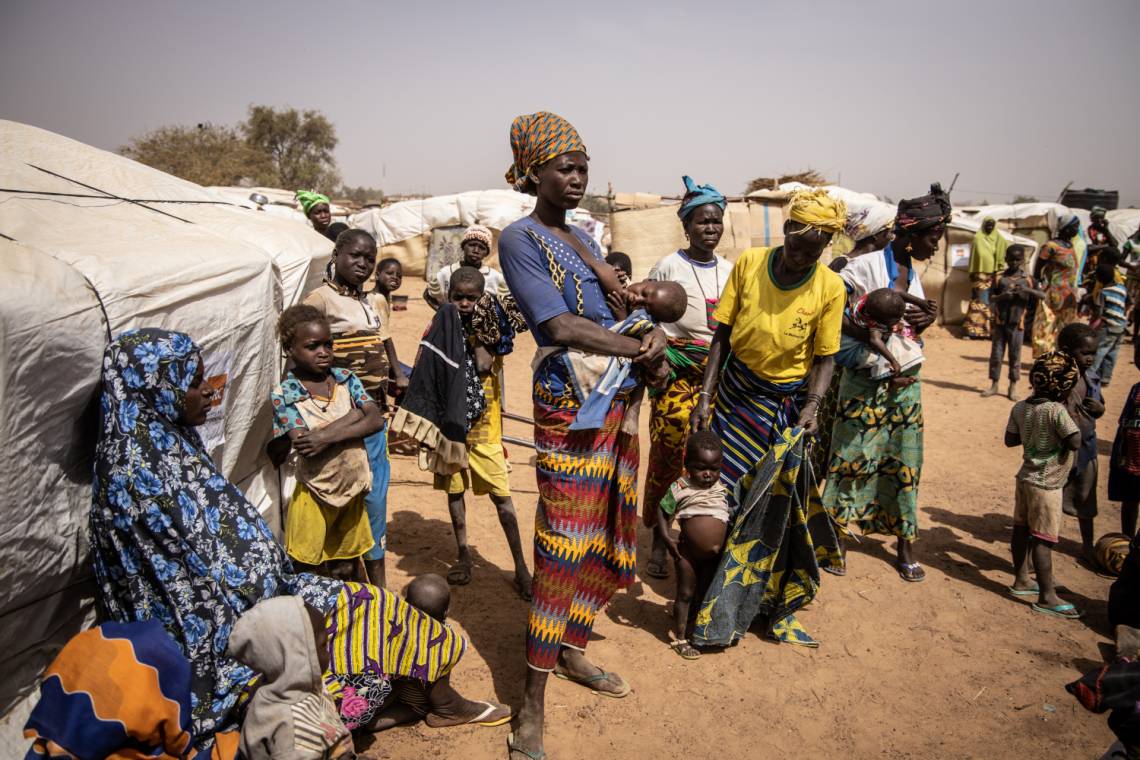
(470, 711)
(573, 666)
(523, 584)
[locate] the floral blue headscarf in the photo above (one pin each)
(171, 539)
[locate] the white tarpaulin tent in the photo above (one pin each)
(74, 271)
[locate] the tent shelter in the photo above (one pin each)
(81, 263)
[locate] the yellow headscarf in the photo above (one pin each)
(818, 209)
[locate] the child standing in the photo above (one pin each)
(324, 413)
(1124, 467)
(1109, 307)
(698, 502)
(389, 278)
(486, 471)
(1049, 436)
(1086, 406)
(1009, 299)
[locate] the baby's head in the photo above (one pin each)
(885, 306)
(1078, 341)
(620, 262)
(703, 458)
(665, 301)
(465, 289)
(429, 593)
(306, 338)
(1053, 375)
(389, 275)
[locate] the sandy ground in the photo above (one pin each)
(949, 668)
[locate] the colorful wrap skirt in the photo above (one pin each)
(585, 530)
(669, 421)
(978, 318)
(876, 456)
(780, 538)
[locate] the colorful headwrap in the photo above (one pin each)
(925, 212)
(308, 199)
(1064, 220)
(862, 223)
(537, 138)
(478, 232)
(817, 209)
(1054, 374)
(116, 688)
(697, 196)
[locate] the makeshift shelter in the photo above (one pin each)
(1123, 223)
(946, 276)
(95, 244)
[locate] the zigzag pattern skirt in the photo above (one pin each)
(585, 528)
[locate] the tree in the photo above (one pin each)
(362, 194)
(299, 145)
(205, 154)
(1024, 199)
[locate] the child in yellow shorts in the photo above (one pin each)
(486, 472)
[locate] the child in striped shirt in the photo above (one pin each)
(1109, 307)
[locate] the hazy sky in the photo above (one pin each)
(1020, 97)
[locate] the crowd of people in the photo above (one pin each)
(786, 415)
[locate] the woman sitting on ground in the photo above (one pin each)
(173, 541)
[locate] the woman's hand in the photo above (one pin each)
(652, 348)
(920, 319)
(699, 419)
(809, 419)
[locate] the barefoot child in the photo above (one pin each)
(486, 471)
(389, 278)
(1109, 308)
(1049, 436)
(1009, 299)
(698, 502)
(1086, 406)
(324, 413)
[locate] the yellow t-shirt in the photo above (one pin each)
(777, 332)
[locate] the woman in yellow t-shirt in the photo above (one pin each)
(779, 326)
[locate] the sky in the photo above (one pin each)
(1018, 96)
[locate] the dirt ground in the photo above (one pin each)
(949, 668)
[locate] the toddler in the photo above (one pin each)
(1045, 430)
(324, 414)
(698, 502)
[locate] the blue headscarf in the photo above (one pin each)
(697, 196)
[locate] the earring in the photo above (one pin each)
(909, 248)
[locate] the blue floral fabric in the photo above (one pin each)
(287, 417)
(171, 539)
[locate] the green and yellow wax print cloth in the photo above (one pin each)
(780, 539)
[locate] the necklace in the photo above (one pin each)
(332, 388)
(716, 271)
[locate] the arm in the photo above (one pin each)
(926, 304)
(359, 423)
(394, 369)
(822, 368)
(662, 529)
(483, 360)
(1072, 442)
(722, 339)
(1012, 439)
(880, 348)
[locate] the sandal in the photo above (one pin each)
(656, 569)
(533, 754)
(911, 572)
(591, 682)
(459, 574)
(485, 718)
(685, 649)
(1065, 611)
(1023, 591)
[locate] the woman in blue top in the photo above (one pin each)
(586, 523)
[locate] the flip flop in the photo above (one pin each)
(907, 572)
(656, 569)
(686, 650)
(1023, 591)
(482, 719)
(533, 754)
(1065, 611)
(590, 683)
(459, 574)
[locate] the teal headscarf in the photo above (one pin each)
(697, 196)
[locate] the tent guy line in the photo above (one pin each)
(107, 194)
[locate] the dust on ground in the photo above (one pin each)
(948, 668)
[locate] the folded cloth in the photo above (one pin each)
(597, 392)
(433, 410)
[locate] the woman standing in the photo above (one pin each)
(1056, 272)
(586, 522)
(703, 274)
(316, 208)
(363, 345)
(772, 356)
(876, 441)
(987, 258)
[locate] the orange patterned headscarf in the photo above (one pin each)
(537, 138)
